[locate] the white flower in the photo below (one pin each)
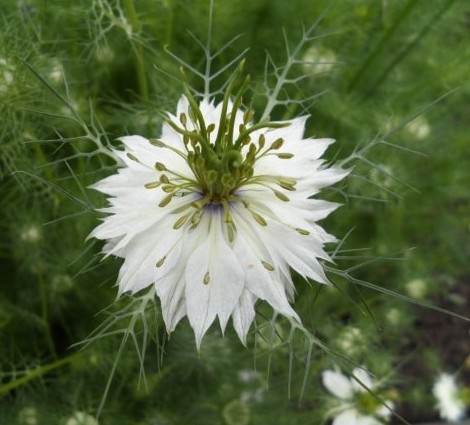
(449, 401)
(81, 418)
(6, 75)
(216, 211)
(358, 406)
(319, 59)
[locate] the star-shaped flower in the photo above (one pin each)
(357, 405)
(216, 212)
(452, 400)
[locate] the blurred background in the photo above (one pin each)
(387, 79)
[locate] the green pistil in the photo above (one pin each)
(220, 162)
(367, 404)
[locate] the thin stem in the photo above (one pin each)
(45, 314)
(139, 51)
(38, 372)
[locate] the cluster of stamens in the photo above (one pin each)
(221, 161)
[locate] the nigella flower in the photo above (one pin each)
(452, 400)
(215, 212)
(357, 405)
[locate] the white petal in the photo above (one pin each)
(243, 315)
(337, 384)
(347, 417)
(367, 420)
(220, 295)
(259, 281)
(364, 378)
(170, 290)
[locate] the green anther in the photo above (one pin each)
(288, 184)
(166, 200)
(287, 180)
(285, 155)
(164, 179)
(259, 218)
(207, 278)
(152, 185)
(267, 266)
(168, 188)
(196, 217)
(160, 167)
(303, 231)
(157, 143)
(246, 204)
(248, 116)
(180, 222)
(230, 232)
(228, 215)
(210, 128)
(132, 157)
(261, 141)
(183, 119)
(201, 203)
(281, 196)
(277, 144)
(161, 261)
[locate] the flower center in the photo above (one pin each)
(367, 404)
(222, 157)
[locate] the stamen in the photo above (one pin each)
(157, 143)
(166, 200)
(287, 184)
(303, 231)
(152, 185)
(160, 167)
(132, 157)
(231, 232)
(269, 267)
(168, 188)
(260, 219)
(277, 144)
(285, 155)
(281, 196)
(196, 218)
(180, 222)
(207, 278)
(161, 261)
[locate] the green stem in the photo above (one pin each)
(37, 373)
(45, 314)
(381, 45)
(139, 51)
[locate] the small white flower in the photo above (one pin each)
(28, 416)
(31, 234)
(357, 406)
(6, 75)
(450, 402)
(417, 288)
(216, 212)
(351, 340)
(81, 418)
(319, 60)
(419, 128)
